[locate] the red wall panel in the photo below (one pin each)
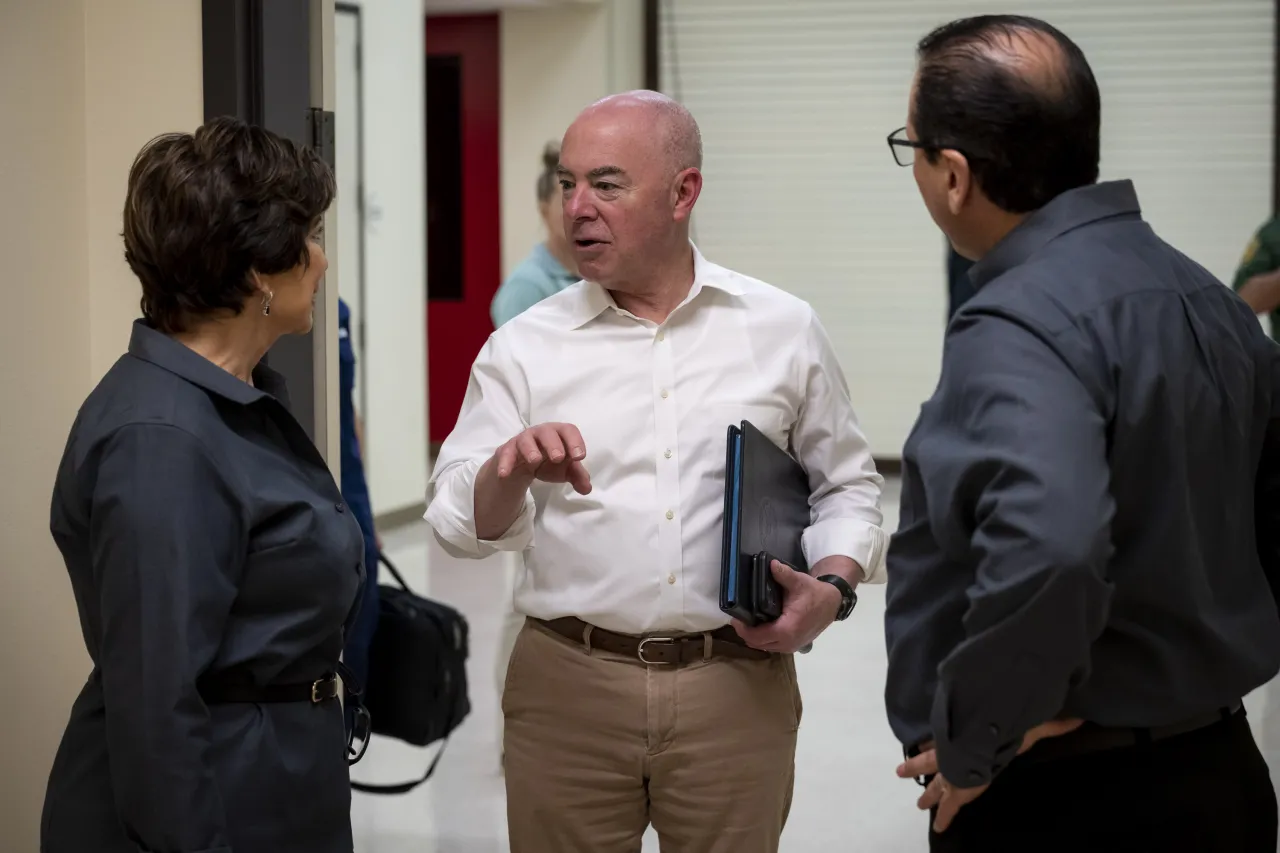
(456, 330)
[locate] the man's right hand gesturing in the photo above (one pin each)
(552, 453)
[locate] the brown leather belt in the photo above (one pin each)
(664, 650)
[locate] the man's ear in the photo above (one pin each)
(959, 180)
(684, 193)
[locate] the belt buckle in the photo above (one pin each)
(316, 698)
(646, 641)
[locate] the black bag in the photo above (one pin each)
(417, 690)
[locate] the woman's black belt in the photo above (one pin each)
(234, 688)
(218, 689)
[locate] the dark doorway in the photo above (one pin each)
(444, 177)
(464, 263)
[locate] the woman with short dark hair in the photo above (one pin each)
(212, 559)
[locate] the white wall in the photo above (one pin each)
(83, 86)
(555, 61)
(395, 252)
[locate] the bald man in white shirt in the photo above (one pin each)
(592, 439)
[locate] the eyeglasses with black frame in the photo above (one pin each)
(904, 149)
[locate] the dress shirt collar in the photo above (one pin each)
(163, 351)
(1067, 212)
(596, 299)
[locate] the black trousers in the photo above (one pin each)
(1208, 791)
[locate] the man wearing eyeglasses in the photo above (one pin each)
(1081, 588)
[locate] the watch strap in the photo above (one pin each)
(848, 598)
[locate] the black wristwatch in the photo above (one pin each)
(848, 598)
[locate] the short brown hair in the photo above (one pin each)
(205, 209)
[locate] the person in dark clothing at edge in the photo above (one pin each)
(355, 491)
(1081, 587)
(1257, 279)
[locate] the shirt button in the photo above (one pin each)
(671, 578)
(662, 336)
(995, 730)
(664, 393)
(670, 515)
(667, 453)
(340, 507)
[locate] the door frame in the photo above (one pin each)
(362, 384)
(270, 63)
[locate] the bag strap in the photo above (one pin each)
(403, 787)
(395, 573)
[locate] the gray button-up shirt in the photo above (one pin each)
(203, 534)
(1091, 498)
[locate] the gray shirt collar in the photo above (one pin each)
(1068, 211)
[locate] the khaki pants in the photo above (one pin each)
(597, 746)
(512, 623)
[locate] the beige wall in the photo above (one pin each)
(555, 61)
(142, 77)
(83, 84)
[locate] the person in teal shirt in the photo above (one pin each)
(549, 267)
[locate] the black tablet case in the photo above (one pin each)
(766, 508)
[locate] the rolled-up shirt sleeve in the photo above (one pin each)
(490, 417)
(844, 485)
(1016, 449)
(168, 541)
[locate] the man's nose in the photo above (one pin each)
(578, 205)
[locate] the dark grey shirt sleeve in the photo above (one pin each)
(166, 540)
(1016, 450)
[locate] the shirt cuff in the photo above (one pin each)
(974, 739)
(972, 760)
(451, 515)
(859, 540)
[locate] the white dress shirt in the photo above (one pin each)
(641, 552)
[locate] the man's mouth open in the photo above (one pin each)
(588, 245)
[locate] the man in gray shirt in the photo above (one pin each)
(1081, 588)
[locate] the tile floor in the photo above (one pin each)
(846, 797)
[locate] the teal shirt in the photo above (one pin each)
(540, 275)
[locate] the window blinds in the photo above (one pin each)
(795, 99)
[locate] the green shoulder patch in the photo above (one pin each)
(1250, 250)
